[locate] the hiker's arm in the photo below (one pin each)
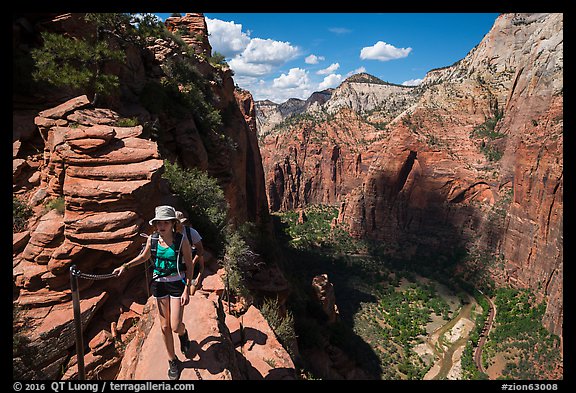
(199, 258)
(143, 256)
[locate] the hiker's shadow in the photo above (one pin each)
(217, 356)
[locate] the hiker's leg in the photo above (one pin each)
(165, 316)
(176, 315)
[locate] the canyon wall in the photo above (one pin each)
(471, 159)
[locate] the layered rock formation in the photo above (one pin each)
(432, 159)
(107, 181)
(193, 30)
(319, 154)
(365, 93)
(471, 159)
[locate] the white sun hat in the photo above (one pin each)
(164, 213)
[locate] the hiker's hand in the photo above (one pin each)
(185, 298)
(119, 270)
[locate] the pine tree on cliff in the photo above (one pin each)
(78, 62)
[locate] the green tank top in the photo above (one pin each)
(165, 263)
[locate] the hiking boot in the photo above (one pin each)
(174, 367)
(184, 342)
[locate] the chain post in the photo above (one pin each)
(74, 272)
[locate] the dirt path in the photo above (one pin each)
(484, 334)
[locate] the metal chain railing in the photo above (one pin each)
(89, 276)
(75, 273)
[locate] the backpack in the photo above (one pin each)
(180, 266)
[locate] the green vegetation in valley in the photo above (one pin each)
(469, 370)
(384, 310)
(532, 352)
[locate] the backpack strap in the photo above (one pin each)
(154, 246)
(178, 240)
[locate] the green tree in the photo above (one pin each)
(78, 62)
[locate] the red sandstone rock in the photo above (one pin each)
(193, 29)
(324, 291)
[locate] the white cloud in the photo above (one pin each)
(412, 82)
(243, 68)
(249, 57)
(262, 90)
(328, 70)
(383, 52)
(313, 59)
(294, 84)
(227, 37)
(296, 78)
(269, 51)
(331, 80)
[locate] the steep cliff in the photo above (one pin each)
(91, 176)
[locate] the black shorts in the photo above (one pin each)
(162, 289)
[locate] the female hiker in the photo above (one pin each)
(172, 283)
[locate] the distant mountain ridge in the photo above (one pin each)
(360, 92)
(364, 77)
(269, 113)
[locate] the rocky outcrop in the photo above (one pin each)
(324, 291)
(106, 179)
(364, 93)
(317, 161)
(193, 30)
(321, 155)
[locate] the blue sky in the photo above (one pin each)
(277, 56)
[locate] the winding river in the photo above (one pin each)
(437, 342)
